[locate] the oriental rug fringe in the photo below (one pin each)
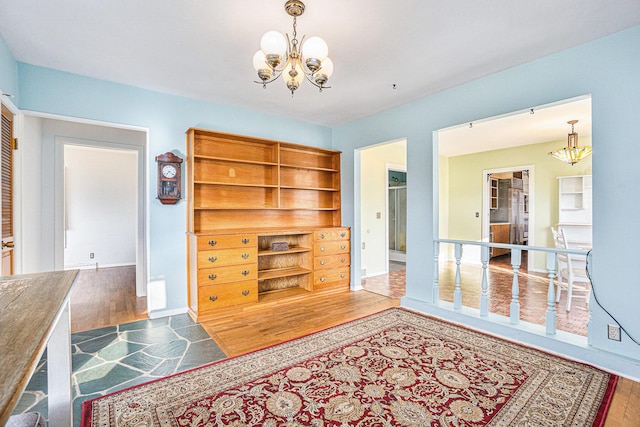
(393, 368)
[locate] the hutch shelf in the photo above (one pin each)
(263, 222)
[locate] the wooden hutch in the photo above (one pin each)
(263, 222)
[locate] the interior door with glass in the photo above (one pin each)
(6, 190)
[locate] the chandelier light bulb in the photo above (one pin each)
(327, 67)
(261, 66)
(273, 43)
(315, 48)
(323, 74)
(260, 61)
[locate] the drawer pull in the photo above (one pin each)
(342, 276)
(322, 235)
(245, 292)
(343, 246)
(322, 279)
(245, 256)
(213, 297)
(343, 259)
(213, 258)
(245, 272)
(323, 262)
(212, 242)
(213, 276)
(343, 234)
(322, 249)
(245, 240)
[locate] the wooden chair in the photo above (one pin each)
(576, 278)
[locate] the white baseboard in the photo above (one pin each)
(164, 313)
(92, 265)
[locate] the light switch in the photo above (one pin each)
(378, 215)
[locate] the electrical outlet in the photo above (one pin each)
(613, 332)
(91, 255)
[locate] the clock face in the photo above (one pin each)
(169, 171)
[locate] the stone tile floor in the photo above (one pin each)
(116, 357)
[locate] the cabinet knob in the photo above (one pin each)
(212, 242)
(245, 292)
(342, 276)
(213, 276)
(343, 246)
(322, 279)
(343, 234)
(213, 297)
(322, 235)
(245, 272)
(213, 258)
(245, 240)
(343, 259)
(323, 262)
(322, 249)
(245, 256)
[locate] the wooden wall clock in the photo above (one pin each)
(169, 181)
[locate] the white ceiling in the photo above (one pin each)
(536, 125)
(203, 49)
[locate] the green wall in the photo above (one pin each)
(464, 188)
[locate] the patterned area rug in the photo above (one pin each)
(394, 368)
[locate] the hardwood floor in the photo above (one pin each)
(532, 298)
(255, 329)
(107, 297)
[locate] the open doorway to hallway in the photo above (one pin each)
(383, 178)
(86, 198)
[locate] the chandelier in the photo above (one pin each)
(572, 153)
(293, 59)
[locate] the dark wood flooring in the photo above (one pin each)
(532, 287)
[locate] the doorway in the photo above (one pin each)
(508, 194)
(397, 215)
(375, 203)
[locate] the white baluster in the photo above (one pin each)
(436, 289)
(514, 308)
(551, 295)
(457, 294)
(484, 298)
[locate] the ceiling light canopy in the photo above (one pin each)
(281, 56)
(572, 153)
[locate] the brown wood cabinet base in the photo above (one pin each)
(238, 270)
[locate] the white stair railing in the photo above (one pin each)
(516, 258)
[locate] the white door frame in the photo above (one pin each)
(486, 191)
(142, 238)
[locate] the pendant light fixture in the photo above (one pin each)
(293, 59)
(572, 153)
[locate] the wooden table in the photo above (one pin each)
(34, 314)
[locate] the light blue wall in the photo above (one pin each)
(8, 72)
(609, 69)
(167, 117)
